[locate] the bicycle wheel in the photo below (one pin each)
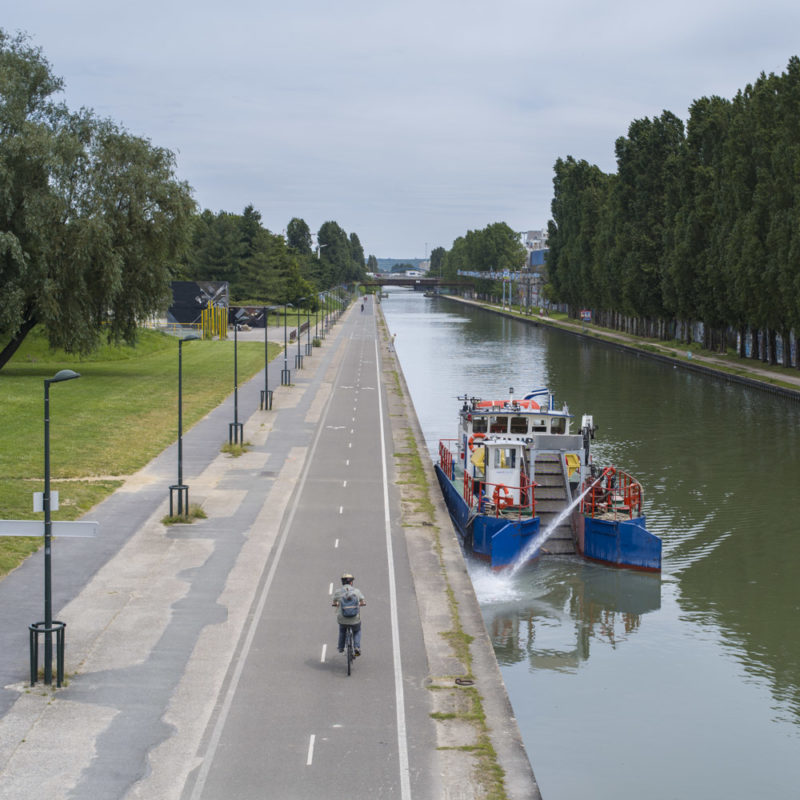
(348, 648)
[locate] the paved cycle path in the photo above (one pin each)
(201, 659)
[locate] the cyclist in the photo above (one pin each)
(348, 612)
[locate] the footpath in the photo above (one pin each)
(200, 659)
(745, 371)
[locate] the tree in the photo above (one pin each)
(642, 160)
(298, 236)
(92, 218)
(437, 260)
(357, 255)
(372, 264)
(297, 290)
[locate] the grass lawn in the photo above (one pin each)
(121, 413)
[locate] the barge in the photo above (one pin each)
(519, 484)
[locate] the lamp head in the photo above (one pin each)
(63, 375)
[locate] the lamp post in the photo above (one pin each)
(298, 359)
(49, 626)
(266, 394)
(286, 374)
(181, 490)
(308, 331)
(235, 428)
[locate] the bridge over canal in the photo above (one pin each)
(415, 281)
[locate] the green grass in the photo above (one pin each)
(120, 414)
(235, 449)
(195, 512)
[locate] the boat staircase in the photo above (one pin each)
(551, 500)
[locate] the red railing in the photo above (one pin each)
(499, 497)
(487, 497)
(447, 452)
(614, 492)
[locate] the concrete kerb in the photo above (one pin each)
(431, 578)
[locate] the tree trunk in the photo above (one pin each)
(12, 347)
(771, 359)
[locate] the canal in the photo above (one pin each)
(628, 685)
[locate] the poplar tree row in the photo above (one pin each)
(700, 224)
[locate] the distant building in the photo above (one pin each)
(535, 243)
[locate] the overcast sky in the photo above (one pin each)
(409, 122)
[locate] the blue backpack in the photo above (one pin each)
(348, 603)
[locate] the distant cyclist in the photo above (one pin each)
(362, 306)
(348, 601)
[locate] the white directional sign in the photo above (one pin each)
(35, 527)
(38, 501)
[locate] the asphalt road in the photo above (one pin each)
(291, 720)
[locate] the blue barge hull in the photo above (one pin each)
(497, 540)
(621, 543)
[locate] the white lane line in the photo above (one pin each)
(341, 509)
(347, 462)
(352, 431)
(349, 444)
(324, 651)
(402, 739)
(344, 485)
(310, 758)
(330, 585)
(336, 545)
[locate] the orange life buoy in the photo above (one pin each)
(502, 496)
(472, 440)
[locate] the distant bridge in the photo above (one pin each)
(414, 281)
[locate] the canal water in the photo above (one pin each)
(628, 685)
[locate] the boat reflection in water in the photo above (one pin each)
(550, 613)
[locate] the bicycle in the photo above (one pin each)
(349, 648)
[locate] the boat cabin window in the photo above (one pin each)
(559, 425)
(498, 424)
(479, 425)
(540, 425)
(505, 457)
(518, 425)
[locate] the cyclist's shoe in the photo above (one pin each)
(358, 652)
(342, 650)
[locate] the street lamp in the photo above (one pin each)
(286, 374)
(49, 626)
(179, 489)
(235, 428)
(298, 359)
(266, 394)
(324, 312)
(308, 331)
